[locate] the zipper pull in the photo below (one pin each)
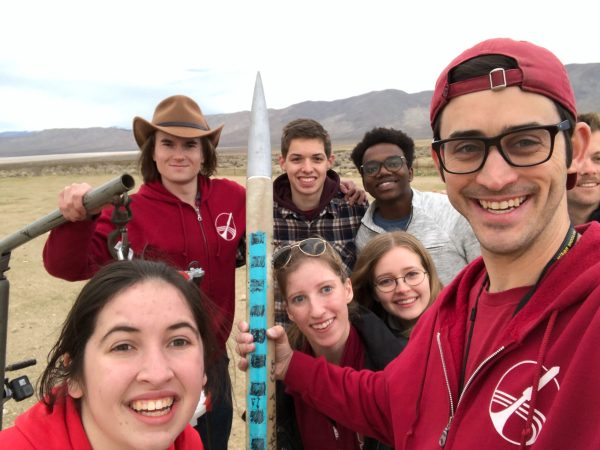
(444, 436)
(198, 213)
(336, 433)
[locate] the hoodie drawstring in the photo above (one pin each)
(527, 431)
(183, 230)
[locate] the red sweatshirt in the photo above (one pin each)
(36, 429)
(163, 227)
(541, 381)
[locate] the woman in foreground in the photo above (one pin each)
(127, 369)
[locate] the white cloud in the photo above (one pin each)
(82, 63)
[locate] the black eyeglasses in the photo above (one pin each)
(523, 147)
(310, 247)
(393, 164)
(389, 283)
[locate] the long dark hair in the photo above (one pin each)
(66, 359)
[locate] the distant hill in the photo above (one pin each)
(66, 140)
(346, 120)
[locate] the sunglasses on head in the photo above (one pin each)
(310, 247)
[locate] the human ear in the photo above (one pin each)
(331, 160)
(282, 163)
(349, 291)
(580, 141)
(289, 314)
(74, 388)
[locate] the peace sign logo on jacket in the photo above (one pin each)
(226, 226)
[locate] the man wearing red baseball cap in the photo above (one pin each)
(507, 356)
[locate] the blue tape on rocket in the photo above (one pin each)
(258, 371)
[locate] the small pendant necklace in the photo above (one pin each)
(409, 219)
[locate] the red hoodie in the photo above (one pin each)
(37, 429)
(163, 227)
(544, 371)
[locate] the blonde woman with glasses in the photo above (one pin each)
(396, 278)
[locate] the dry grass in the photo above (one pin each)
(39, 302)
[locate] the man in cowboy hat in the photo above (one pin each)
(180, 215)
(507, 356)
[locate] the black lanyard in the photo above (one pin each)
(566, 245)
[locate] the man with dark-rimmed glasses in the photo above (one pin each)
(507, 357)
(384, 159)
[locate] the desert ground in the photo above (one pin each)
(39, 303)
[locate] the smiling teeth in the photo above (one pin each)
(503, 205)
(322, 325)
(152, 407)
(406, 301)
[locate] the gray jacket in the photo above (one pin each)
(441, 229)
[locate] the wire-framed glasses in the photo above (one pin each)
(521, 147)
(311, 247)
(389, 283)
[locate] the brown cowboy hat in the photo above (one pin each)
(178, 116)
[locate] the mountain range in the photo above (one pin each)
(346, 120)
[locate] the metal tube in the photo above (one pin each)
(92, 200)
(4, 288)
(260, 392)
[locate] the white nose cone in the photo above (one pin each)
(259, 140)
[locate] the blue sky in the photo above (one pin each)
(70, 63)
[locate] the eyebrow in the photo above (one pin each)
(308, 156)
(187, 141)
(479, 134)
(130, 329)
(383, 158)
(409, 268)
(319, 285)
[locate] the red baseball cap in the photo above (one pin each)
(538, 71)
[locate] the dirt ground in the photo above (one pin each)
(38, 303)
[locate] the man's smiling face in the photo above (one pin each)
(306, 165)
(387, 185)
(510, 209)
(586, 193)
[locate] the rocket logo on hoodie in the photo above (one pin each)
(225, 226)
(511, 401)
